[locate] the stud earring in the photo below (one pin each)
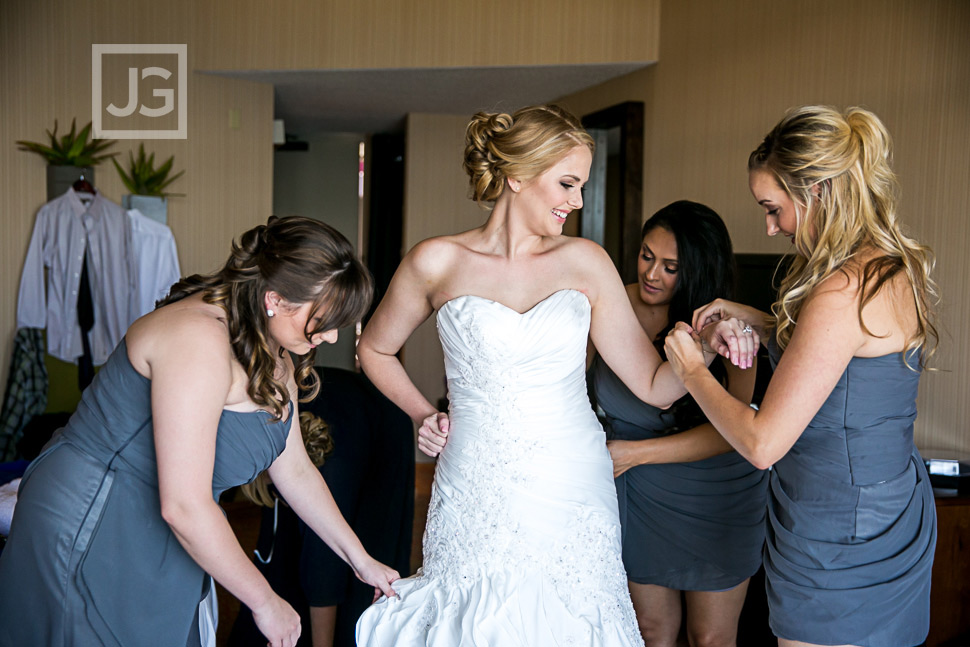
(270, 313)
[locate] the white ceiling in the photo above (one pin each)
(376, 101)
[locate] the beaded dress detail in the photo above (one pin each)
(522, 545)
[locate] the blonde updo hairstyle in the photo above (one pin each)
(521, 146)
(841, 161)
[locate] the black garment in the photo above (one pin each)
(371, 476)
(85, 320)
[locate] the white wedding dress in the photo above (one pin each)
(522, 546)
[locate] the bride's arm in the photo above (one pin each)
(618, 336)
(406, 306)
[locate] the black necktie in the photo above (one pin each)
(85, 319)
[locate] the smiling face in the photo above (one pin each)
(550, 197)
(657, 267)
(781, 216)
(290, 322)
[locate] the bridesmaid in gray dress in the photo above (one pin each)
(692, 510)
(117, 521)
(851, 519)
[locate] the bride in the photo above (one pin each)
(522, 545)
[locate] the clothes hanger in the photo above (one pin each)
(83, 185)
(85, 190)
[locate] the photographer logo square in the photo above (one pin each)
(139, 91)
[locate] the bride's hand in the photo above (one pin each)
(733, 339)
(433, 433)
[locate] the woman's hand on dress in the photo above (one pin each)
(278, 622)
(380, 576)
(433, 433)
(683, 349)
(623, 454)
(734, 339)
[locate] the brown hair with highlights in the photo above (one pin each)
(303, 260)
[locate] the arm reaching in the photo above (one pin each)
(693, 444)
(190, 366)
(304, 489)
(624, 346)
(826, 338)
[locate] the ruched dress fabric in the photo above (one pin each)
(522, 545)
(90, 561)
(696, 526)
(851, 516)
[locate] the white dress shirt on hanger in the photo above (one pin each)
(64, 230)
(154, 262)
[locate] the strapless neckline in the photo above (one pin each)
(122, 348)
(538, 305)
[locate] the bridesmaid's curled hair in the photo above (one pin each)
(301, 259)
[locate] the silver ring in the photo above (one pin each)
(747, 329)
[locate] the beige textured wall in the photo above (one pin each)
(307, 34)
(728, 71)
(45, 74)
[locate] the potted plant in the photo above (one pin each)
(69, 157)
(147, 184)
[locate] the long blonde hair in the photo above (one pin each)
(842, 161)
(319, 445)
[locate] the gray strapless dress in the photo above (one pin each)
(90, 561)
(697, 526)
(852, 520)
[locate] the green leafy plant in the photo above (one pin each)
(72, 149)
(143, 178)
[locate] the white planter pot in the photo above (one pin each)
(154, 207)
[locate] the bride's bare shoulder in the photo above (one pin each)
(581, 250)
(439, 255)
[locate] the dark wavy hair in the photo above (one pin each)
(705, 258)
(706, 271)
(301, 259)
